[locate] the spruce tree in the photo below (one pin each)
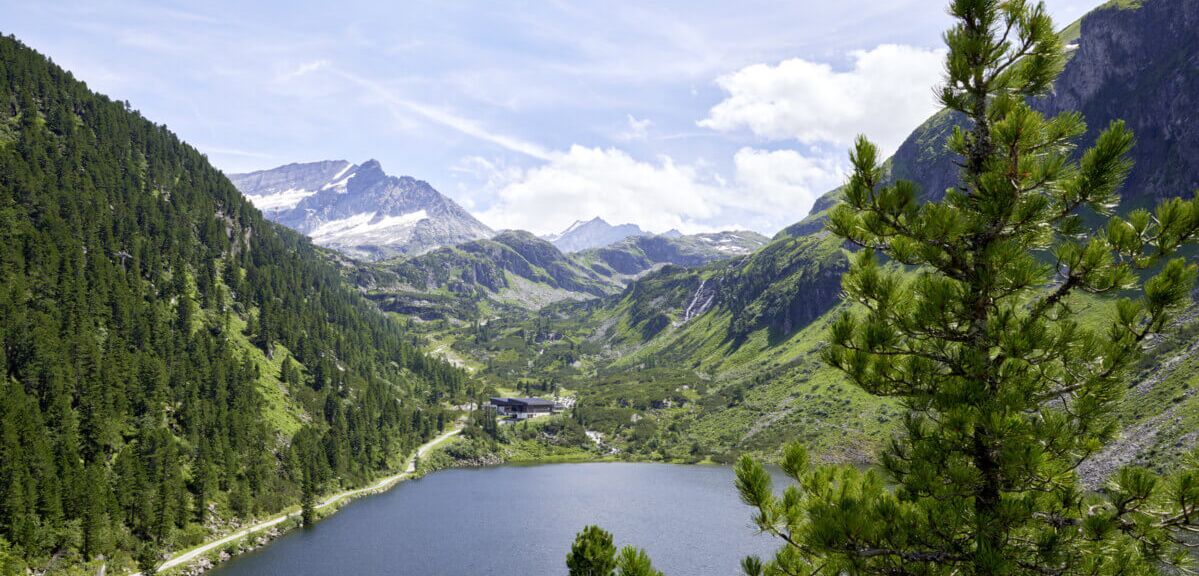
(307, 499)
(127, 401)
(965, 308)
(148, 558)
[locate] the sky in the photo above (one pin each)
(697, 115)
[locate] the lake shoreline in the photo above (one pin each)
(259, 538)
(467, 517)
(206, 556)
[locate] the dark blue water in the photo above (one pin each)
(520, 521)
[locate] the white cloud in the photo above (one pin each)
(784, 181)
(886, 94)
(637, 130)
(769, 188)
(485, 177)
(606, 182)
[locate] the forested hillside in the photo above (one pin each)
(169, 359)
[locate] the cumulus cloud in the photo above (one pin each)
(886, 94)
(605, 182)
(784, 181)
(769, 188)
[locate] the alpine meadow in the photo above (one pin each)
(967, 347)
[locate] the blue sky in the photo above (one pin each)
(689, 114)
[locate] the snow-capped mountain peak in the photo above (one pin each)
(594, 233)
(282, 188)
(359, 209)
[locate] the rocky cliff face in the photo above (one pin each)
(785, 286)
(1138, 64)
(781, 287)
(360, 210)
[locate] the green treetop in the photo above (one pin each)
(594, 554)
(964, 313)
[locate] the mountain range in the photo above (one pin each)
(358, 209)
(436, 260)
(366, 214)
(519, 270)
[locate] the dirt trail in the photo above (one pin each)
(188, 556)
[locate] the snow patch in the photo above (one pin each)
(342, 172)
(284, 200)
(367, 227)
(339, 183)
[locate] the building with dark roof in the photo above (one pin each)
(521, 408)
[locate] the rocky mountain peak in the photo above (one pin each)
(360, 209)
(594, 233)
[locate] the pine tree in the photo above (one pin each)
(592, 554)
(965, 311)
(635, 562)
(10, 563)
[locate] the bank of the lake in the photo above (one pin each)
(520, 520)
(261, 532)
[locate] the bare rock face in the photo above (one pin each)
(358, 209)
(1140, 65)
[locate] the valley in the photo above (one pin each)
(703, 361)
(193, 358)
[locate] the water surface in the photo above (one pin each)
(520, 521)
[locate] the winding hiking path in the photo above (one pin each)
(188, 556)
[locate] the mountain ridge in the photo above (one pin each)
(516, 269)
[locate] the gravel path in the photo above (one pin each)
(188, 556)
